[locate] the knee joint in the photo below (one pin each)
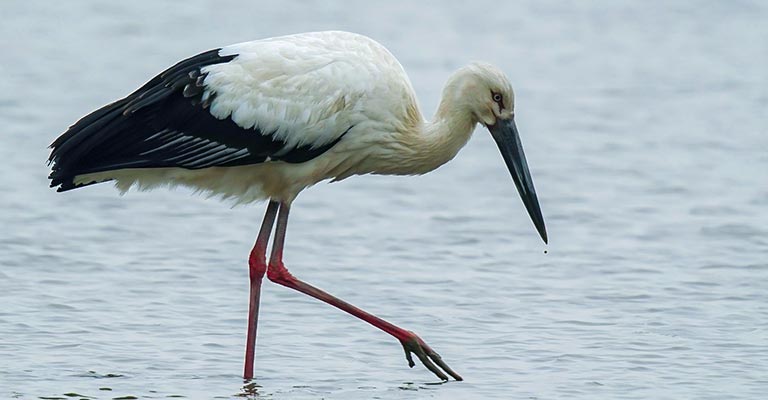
(279, 274)
(257, 267)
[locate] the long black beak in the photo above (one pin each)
(504, 131)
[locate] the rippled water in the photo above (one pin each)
(646, 128)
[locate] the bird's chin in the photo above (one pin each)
(491, 123)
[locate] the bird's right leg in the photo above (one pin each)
(412, 343)
(257, 266)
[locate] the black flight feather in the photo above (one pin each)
(166, 123)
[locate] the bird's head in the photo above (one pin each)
(486, 93)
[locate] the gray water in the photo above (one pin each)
(646, 129)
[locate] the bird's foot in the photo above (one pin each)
(414, 344)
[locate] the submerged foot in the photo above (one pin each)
(415, 345)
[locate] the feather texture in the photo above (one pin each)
(168, 123)
(266, 119)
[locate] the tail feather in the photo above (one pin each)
(69, 150)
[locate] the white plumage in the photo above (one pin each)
(305, 90)
(268, 118)
(308, 88)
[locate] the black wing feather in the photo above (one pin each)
(166, 123)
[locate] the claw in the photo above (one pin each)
(428, 357)
(408, 357)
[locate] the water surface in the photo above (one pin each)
(646, 129)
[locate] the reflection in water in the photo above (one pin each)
(250, 390)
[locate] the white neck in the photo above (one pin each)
(434, 143)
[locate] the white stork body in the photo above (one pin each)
(309, 90)
(269, 118)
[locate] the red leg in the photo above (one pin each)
(411, 342)
(257, 266)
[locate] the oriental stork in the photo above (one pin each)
(265, 119)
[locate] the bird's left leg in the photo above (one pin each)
(411, 342)
(257, 266)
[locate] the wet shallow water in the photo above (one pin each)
(646, 129)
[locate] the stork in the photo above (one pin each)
(264, 120)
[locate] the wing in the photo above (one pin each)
(270, 100)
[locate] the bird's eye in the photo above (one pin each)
(497, 97)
